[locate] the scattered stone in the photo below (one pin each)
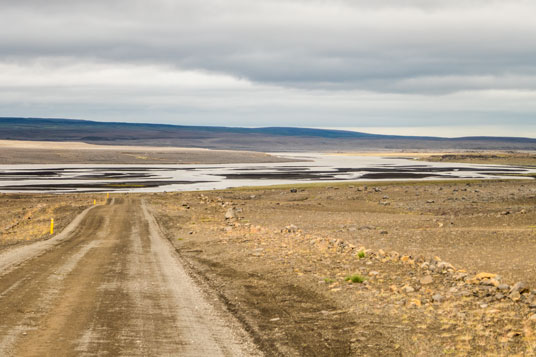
(407, 289)
(481, 276)
(520, 287)
(515, 296)
(533, 318)
(230, 214)
(490, 282)
(503, 287)
(430, 201)
(291, 229)
(460, 276)
(384, 232)
(294, 190)
(437, 298)
(444, 266)
(427, 280)
(414, 303)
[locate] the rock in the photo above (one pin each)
(503, 287)
(437, 298)
(230, 214)
(533, 318)
(515, 296)
(293, 190)
(489, 282)
(520, 287)
(381, 253)
(414, 303)
(460, 276)
(444, 266)
(427, 280)
(499, 296)
(483, 306)
(430, 201)
(481, 276)
(384, 232)
(407, 289)
(291, 229)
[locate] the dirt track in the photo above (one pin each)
(110, 286)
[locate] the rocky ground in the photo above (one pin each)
(444, 268)
(26, 217)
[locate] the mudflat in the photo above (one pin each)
(42, 152)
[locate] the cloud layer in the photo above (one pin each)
(304, 63)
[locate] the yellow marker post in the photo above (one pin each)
(94, 202)
(107, 195)
(51, 226)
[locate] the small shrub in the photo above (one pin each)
(361, 254)
(329, 280)
(356, 278)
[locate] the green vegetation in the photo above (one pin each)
(329, 280)
(356, 278)
(361, 254)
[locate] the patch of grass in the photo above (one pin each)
(329, 280)
(361, 254)
(356, 278)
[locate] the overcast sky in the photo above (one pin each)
(433, 67)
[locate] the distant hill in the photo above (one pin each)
(259, 139)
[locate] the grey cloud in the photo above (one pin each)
(388, 46)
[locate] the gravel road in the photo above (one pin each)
(109, 285)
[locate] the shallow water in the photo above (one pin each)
(310, 167)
